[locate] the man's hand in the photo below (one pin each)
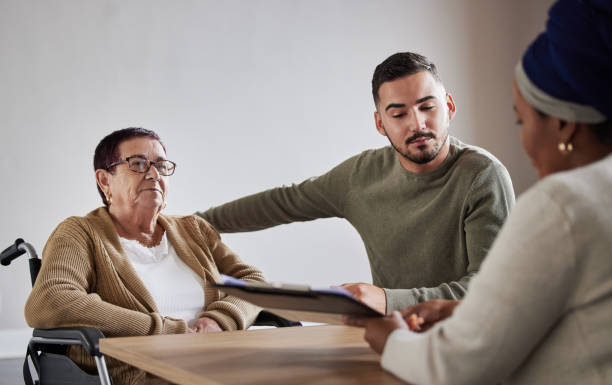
(424, 315)
(378, 329)
(204, 325)
(371, 295)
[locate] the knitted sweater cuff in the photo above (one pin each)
(399, 299)
(174, 326)
(224, 320)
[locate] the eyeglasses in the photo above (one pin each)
(139, 164)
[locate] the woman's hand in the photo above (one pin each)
(204, 325)
(378, 329)
(424, 315)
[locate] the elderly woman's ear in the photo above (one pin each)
(103, 181)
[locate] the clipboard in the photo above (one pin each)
(299, 298)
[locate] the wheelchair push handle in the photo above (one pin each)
(12, 252)
(18, 248)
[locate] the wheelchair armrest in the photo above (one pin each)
(266, 318)
(87, 337)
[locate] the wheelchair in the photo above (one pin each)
(48, 347)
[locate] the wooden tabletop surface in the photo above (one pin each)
(327, 354)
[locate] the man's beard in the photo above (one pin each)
(422, 157)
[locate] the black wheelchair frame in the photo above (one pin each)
(47, 347)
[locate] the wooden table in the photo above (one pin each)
(328, 354)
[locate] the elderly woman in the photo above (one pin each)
(129, 270)
(551, 320)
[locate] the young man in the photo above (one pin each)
(428, 207)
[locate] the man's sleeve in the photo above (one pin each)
(399, 299)
(318, 197)
(486, 206)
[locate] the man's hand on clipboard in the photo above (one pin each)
(371, 295)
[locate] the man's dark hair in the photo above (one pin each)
(107, 151)
(399, 65)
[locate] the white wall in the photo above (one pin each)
(246, 95)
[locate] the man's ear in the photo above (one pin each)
(102, 179)
(450, 104)
(379, 124)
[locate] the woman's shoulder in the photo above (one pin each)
(74, 231)
(589, 184)
(189, 220)
(575, 197)
(73, 223)
(193, 223)
(81, 227)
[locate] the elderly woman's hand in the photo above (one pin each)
(424, 315)
(204, 325)
(378, 329)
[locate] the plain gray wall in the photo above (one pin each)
(246, 95)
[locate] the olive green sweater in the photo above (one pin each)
(86, 279)
(425, 234)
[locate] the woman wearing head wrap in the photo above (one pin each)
(551, 322)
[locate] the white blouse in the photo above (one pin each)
(177, 290)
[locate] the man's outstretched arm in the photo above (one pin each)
(319, 197)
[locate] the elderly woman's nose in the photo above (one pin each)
(153, 173)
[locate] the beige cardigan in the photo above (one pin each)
(86, 279)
